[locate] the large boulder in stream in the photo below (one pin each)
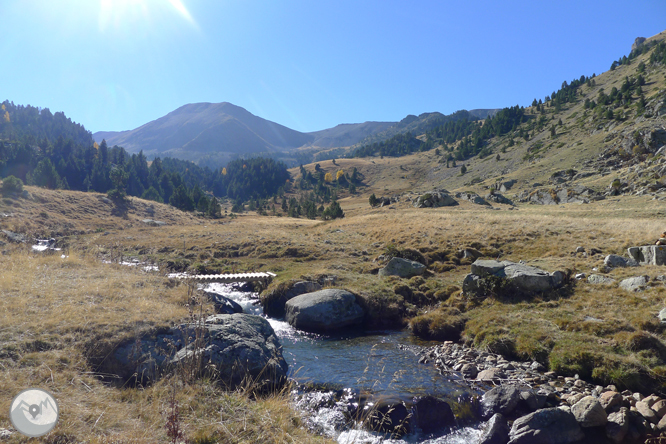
(240, 346)
(324, 310)
(274, 298)
(389, 416)
(431, 414)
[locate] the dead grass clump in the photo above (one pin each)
(443, 324)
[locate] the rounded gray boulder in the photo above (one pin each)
(403, 268)
(324, 310)
(242, 347)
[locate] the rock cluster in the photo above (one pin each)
(472, 197)
(559, 195)
(434, 199)
(545, 407)
(516, 276)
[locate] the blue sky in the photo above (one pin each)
(117, 64)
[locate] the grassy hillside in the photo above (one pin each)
(577, 143)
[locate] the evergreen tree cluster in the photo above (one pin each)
(447, 128)
(244, 179)
(52, 151)
(473, 135)
(624, 60)
(398, 145)
(659, 54)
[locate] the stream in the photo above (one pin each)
(376, 363)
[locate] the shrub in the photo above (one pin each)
(444, 324)
(11, 184)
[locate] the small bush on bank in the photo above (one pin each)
(444, 324)
(11, 185)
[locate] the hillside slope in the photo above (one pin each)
(599, 144)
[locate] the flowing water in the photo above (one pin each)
(379, 363)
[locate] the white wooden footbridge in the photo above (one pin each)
(265, 277)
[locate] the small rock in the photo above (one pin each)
(496, 431)
(650, 400)
(614, 261)
(502, 399)
(599, 279)
(403, 268)
(637, 283)
(580, 250)
(659, 408)
(618, 425)
(609, 400)
(589, 412)
(490, 374)
(645, 410)
(661, 425)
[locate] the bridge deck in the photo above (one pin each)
(231, 277)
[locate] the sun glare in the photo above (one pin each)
(118, 14)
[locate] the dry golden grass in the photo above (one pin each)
(61, 212)
(56, 310)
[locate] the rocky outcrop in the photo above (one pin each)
(324, 310)
(649, 254)
(14, 237)
(560, 195)
(274, 298)
(473, 198)
(498, 198)
(240, 346)
(492, 276)
(403, 268)
(434, 199)
(505, 186)
(638, 43)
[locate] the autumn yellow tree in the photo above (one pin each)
(6, 117)
(328, 177)
(95, 145)
(224, 171)
(339, 174)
